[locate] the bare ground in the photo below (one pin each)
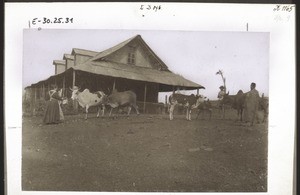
(146, 153)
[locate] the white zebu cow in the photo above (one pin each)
(188, 101)
(86, 99)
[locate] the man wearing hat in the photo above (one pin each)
(221, 95)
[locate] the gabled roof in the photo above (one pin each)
(137, 73)
(59, 62)
(84, 52)
(111, 50)
(68, 56)
(138, 38)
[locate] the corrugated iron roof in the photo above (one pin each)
(68, 56)
(84, 52)
(136, 73)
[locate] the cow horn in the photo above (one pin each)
(71, 89)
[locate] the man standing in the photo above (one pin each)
(221, 94)
(251, 104)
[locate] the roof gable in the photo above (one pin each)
(59, 62)
(158, 63)
(84, 52)
(68, 56)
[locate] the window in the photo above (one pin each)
(131, 56)
(131, 59)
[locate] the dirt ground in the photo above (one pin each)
(145, 153)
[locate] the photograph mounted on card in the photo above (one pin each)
(149, 97)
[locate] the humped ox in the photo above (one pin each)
(86, 99)
(188, 101)
(122, 99)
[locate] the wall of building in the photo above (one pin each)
(70, 63)
(78, 59)
(121, 56)
(60, 68)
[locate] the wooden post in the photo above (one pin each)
(43, 93)
(40, 91)
(197, 92)
(75, 103)
(173, 89)
(55, 81)
(166, 105)
(74, 79)
(145, 96)
(114, 84)
(35, 95)
(34, 102)
(64, 86)
(31, 101)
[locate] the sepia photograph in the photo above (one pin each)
(157, 98)
(145, 111)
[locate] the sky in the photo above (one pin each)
(197, 55)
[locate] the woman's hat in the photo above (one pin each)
(222, 87)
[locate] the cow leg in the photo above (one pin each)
(190, 114)
(86, 112)
(103, 109)
(171, 114)
(136, 109)
(98, 111)
(129, 109)
(110, 111)
(198, 113)
(187, 114)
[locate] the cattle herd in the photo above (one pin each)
(128, 99)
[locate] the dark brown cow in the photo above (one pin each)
(122, 99)
(239, 103)
(234, 101)
(188, 101)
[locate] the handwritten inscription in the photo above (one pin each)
(54, 20)
(283, 8)
(151, 7)
(281, 18)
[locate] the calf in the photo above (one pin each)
(86, 99)
(205, 107)
(122, 99)
(188, 101)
